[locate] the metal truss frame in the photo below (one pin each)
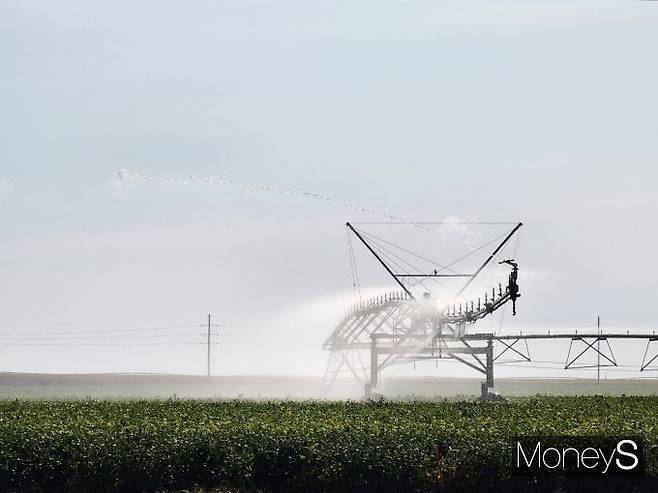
(590, 345)
(509, 346)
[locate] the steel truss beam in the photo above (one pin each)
(509, 346)
(590, 345)
(413, 352)
(400, 336)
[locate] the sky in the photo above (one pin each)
(541, 112)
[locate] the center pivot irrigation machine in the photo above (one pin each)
(410, 324)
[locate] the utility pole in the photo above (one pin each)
(209, 325)
(208, 344)
(598, 349)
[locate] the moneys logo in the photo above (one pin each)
(577, 456)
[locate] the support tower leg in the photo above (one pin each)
(490, 364)
(488, 386)
(374, 368)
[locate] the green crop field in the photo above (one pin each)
(174, 445)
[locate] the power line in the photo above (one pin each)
(69, 344)
(95, 336)
(227, 327)
(95, 331)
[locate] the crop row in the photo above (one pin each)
(297, 446)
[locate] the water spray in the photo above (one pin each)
(128, 175)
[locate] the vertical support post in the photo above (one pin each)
(490, 363)
(374, 366)
(488, 385)
(598, 350)
(209, 327)
(209, 344)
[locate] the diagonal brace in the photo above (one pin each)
(468, 363)
(569, 364)
(644, 365)
(510, 347)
